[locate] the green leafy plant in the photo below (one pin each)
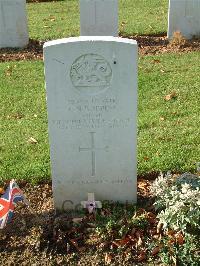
(178, 199)
(176, 253)
(178, 205)
(119, 220)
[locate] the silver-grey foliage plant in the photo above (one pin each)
(178, 199)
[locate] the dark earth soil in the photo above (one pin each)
(41, 238)
(148, 45)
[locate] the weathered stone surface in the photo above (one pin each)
(91, 87)
(99, 17)
(184, 17)
(13, 23)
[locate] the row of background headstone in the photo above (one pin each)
(97, 17)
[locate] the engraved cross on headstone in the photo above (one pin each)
(93, 150)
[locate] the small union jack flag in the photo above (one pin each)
(12, 195)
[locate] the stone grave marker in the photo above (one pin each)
(13, 23)
(99, 17)
(91, 87)
(184, 17)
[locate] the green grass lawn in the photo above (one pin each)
(143, 16)
(52, 20)
(23, 115)
(168, 131)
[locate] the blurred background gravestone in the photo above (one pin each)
(99, 17)
(184, 17)
(13, 23)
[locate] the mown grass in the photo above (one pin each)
(52, 20)
(168, 131)
(143, 16)
(23, 115)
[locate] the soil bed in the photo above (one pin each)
(148, 45)
(41, 238)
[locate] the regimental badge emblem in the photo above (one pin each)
(91, 73)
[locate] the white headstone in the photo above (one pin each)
(91, 87)
(184, 17)
(13, 23)
(99, 17)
